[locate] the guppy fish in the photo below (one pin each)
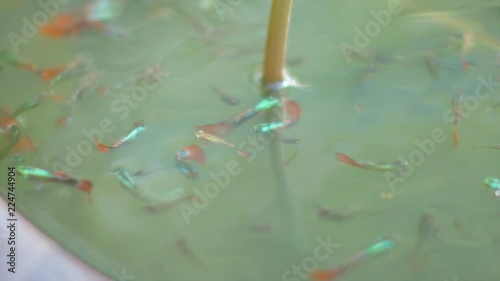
(192, 152)
(205, 136)
(136, 131)
(36, 174)
(379, 247)
(456, 104)
(428, 229)
(15, 136)
(171, 199)
(17, 61)
(186, 169)
(380, 166)
(493, 183)
(80, 64)
(128, 183)
(292, 111)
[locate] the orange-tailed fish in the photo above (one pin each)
(65, 24)
(381, 246)
(380, 166)
(36, 174)
(206, 136)
(17, 62)
(136, 131)
(81, 63)
(192, 152)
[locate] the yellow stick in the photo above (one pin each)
(277, 34)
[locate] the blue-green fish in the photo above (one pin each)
(136, 131)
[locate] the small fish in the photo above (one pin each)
(30, 104)
(24, 149)
(186, 169)
(80, 64)
(427, 230)
(128, 183)
(65, 119)
(36, 174)
(295, 61)
(151, 73)
(291, 140)
(212, 138)
(141, 173)
(342, 215)
(380, 166)
(456, 104)
(381, 246)
(292, 111)
(136, 131)
(192, 152)
(218, 129)
(86, 84)
(184, 248)
(496, 146)
(286, 162)
(226, 96)
(17, 62)
(493, 183)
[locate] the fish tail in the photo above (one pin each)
(86, 186)
(347, 160)
(323, 275)
(102, 147)
(49, 73)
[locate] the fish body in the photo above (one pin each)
(81, 63)
(17, 61)
(225, 96)
(28, 105)
(37, 174)
(136, 131)
(206, 136)
(128, 183)
(381, 166)
(332, 274)
(186, 169)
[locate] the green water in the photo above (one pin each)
(400, 105)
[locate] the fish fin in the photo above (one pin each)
(86, 186)
(195, 153)
(57, 97)
(102, 147)
(347, 160)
